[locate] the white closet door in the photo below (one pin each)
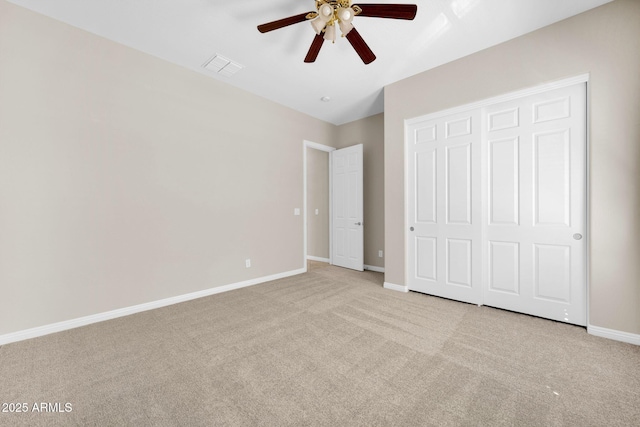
(535, 252)
(444, 253)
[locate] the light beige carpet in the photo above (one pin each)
(330, 347)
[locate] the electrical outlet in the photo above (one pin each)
(379, 254)
(316, 211)
(247, 263)
(296, 211)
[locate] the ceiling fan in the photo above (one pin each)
(332, 13)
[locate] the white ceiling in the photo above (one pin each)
(190, 32)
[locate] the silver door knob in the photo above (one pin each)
(358, 223)
(411, 228)
(577, 236)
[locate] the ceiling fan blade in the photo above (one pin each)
(362, 49)
(270, 26)
(395, 11)
(314, 50)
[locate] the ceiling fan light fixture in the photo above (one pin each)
(318, 25)
(345, 27)
(345, 14)
(325, 11)
(330, 32)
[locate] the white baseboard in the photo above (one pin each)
(100, 317)
(394, 287)
(328, 261)
(612, 334)
(374, 268)
(317, 258)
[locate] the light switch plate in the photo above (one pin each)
(296, 211)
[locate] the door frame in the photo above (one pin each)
(309, 144)
(545, 87)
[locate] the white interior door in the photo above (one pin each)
(536, 177)
(444, 237)
(346, 200)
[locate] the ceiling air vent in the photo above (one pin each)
(221, 65)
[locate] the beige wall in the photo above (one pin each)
(604, 42)
(370, 133)
(317, 198)
(125, 179)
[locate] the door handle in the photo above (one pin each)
(358, 223)
(577, 236)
